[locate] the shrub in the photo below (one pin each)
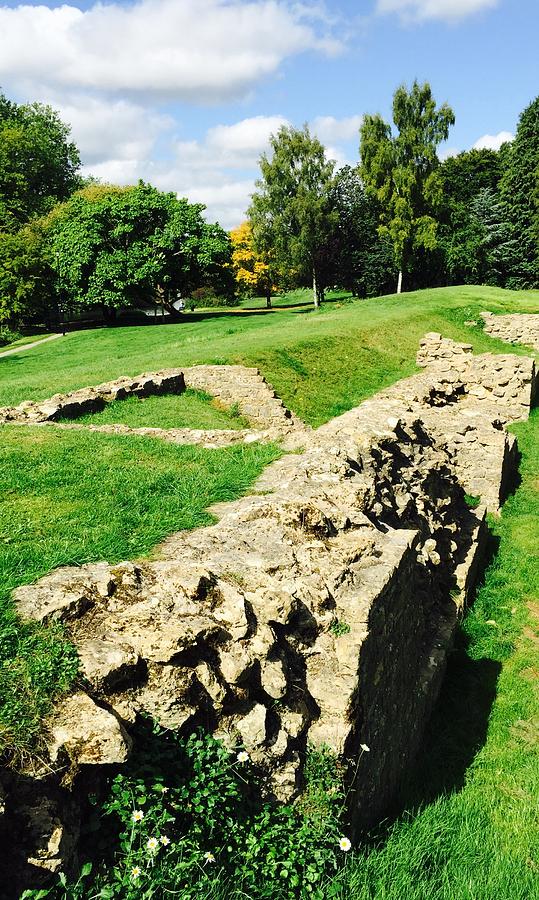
(184, 817)
(7, 336)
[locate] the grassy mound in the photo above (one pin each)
(320, 363)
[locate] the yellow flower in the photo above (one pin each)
(152, 844)
(138, 815)
(135, 872)
(345, 844)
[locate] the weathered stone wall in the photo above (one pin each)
(232, 385)
(520, 328)
(319, 609)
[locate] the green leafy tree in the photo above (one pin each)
(497, 247)
(402, 171)
(136, 245)
(365, 260)
(520, 191)
(292, 213)
(461, 233)
(26, 278)
(38, 163)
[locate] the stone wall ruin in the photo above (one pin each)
(237, 625)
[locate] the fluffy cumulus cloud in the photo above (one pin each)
(493, 141)
(446, 10)
(109, 69)
(194, 50)
(219, 170)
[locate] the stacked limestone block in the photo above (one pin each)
(520, 328)
(93, 399)
(246, 387)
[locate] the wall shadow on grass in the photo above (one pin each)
(457, 729)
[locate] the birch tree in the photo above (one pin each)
(401, 170)
(292, 213)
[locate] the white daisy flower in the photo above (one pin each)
(152, 844)
(164, 840)
(209, 857)
(365, 748)
(138, 815)
(242, 756)
(345, 844)
(135, 872)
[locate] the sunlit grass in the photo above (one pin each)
(192, 409)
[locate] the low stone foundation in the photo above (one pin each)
(319, 609)
(520, 328)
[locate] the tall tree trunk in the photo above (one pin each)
(316, 295)
(268, 298)
(399, 283)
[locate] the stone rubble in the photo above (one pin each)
(318, 610)
(237, 386)
(521, 328)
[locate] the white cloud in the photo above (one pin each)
(493, 141)
(446, 10)
(328, 128)
(115, 129)
(194, 50)
(220, 170)
(448, 152)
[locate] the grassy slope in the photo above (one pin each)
(192, 409)
(71, 497)
(320, 363)
(471, 831)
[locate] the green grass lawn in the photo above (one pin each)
(72, 497)
(192, 409)
(320, 363)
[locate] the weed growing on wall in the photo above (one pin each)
(183, 817)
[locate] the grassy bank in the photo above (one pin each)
(192, 409)
(320, 363)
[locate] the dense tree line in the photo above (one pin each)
(400, 216)
(401, 212)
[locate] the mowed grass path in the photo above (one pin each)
(320, 363)
(70, 497)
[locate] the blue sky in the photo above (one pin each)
(184, 93)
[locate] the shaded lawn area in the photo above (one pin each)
(471, 830)
(192, 409)
(72, 497)
(320, 363)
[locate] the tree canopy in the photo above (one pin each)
(401, 171)
(253, 274)
(292, 213)
(38, 163)
(520, 192)
(135, 245)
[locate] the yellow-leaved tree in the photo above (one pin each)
(254, 276)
